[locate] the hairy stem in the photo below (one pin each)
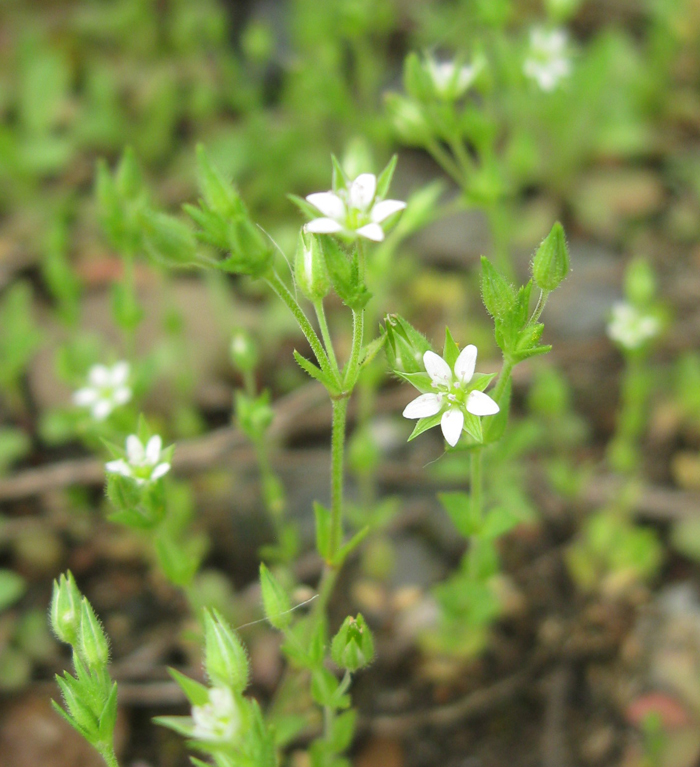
(326, 336)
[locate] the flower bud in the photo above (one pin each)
(551, 263)
(640, 283)
(65, 609)
(408, 119)
(225, 658)
(275, 600)
(244, 354)
(498, 295)
(405, 346)
(92, 641)
(310, 272)
(353, 646)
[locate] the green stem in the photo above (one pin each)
(444, 160)
(503, 379)
(326, 336)
(464, 161)
(475, 501)
(340, 410)
(352, 369)
(276, 283)
(109, 756)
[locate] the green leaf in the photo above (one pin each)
(370, 351)
(351, 545)
(459, 508)
(196, 693)
(108, 717)
(324, 685)
(342, 730)
(316, 373)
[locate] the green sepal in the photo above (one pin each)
(182, 725)
(344, 274)
(340, 178)
(167, 239)
(385, 177)
(450, 349)
(498, 295)
(304, 206)
(420, 381)
(550, 265)
(424, 424)
(473, 427)
(405, 346)
(220, 196)
(195, 692)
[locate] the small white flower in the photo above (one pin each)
(631, 328)
(142, 464)
(219, 720)
(353, 211)
(547, 61)
(107, 389)
(450, 80)
(451, 394)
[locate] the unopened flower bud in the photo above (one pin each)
(65, 609)
(408, 119)
(225, 658)
(244, 354)
(405, 346)
(353, 647)
(92, 642)
(310, 272)
(551, 263)
(275, 600)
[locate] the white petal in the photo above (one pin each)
(323, 226)
(101, 409)
(155, 443)
(372, 232)
(134, 450)
(99, 375)
(479, 403)
(382, 210)
(329, 204)
(452, 423)
(118, 467)
(119, 374)
(362, 191)
(423, 406)
(465, 364)
(121, 395)
(438, 370)
(160, 470)
(85, 397)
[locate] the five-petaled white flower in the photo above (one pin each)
(218, 720)
(547, 60)
(631, 328)
(450, 80)
(451, 394)
(142, 464)
(107, 389)
(353, 211)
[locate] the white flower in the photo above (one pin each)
(547, 60)
(142, 464)
(451, 394)
(353, 211)
(218, 720)
(107, 389)
(451, 81)
(631, 328)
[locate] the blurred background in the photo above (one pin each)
(272, 89)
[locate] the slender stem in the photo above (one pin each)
(276, 283)
(326, 336)
(352, 369)
(340, 410)
(465, 162)
(476, 502)
(503, 379)
(109, 756)
(445, 162)
(249, 382)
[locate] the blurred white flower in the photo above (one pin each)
(451, 394)
(548, 61)
(631, 328)
(142, 464)
(106, 389)
(218, 720)
(353, 211)
(450, 80)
